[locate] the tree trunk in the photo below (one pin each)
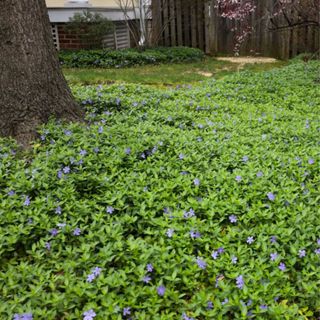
(32, 86)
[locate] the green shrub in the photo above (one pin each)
(90, 27)
(128, 57)
(217, 187)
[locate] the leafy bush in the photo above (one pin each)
(90, 27)
(194, 203)
(128, 57)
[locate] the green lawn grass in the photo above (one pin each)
(166, 74)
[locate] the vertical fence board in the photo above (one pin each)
(179, 23)
(156, 38)
(186, 25)
(196, 23)
(166, 23)
(193, 25)
(200, 24)
(172, 17)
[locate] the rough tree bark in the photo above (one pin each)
(32, 86)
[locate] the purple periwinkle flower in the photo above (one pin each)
(201, 263)
(302, 253)
(238, 178)
(194, 234)
(100, 130)
(307, 124)
(58, 210)
(11, 193)
(259, 174)
(27, 201)
(83, 152)
(210, 305)
(67, 132)
(234, 259)
(189, 214)
(273, 239)
(273, 256)
(311, 161)
(96, 271)
(66, 169)
(271, 196)
(263, 307)
(149, 267)
(53, 232)
(185, 317)
(77, 232)
(214, 255)
(196, 182)
(250, 240)
(146, 279)
(233, 218)
(318, 242)
(161, 290)
(317, 251)
(225, 301)
(110, 209)
(47, 245)
(96, 149)
(127, 151)
(282, 266)
(240, 282)
(90, 277)
(126, 311)
(89, 315)
(245, 158)
(220, 250)
(181, 156)
(59, 174)
(23, 316)
(170, 233)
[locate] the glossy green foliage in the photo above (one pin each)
(196, 203)
(128, 57)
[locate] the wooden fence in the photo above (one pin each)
(196, 23)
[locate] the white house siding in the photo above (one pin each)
(60, 11)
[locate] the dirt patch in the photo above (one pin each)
(245, 60)
(205, 74)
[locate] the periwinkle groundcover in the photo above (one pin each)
(189, 203)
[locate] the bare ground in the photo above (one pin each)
(244, 60)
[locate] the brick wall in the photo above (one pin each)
(118, 39)
(67, 40)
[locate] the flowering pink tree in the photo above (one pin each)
(283, 14)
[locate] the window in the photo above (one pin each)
(77, 3)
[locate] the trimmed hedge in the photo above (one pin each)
(128, 57)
